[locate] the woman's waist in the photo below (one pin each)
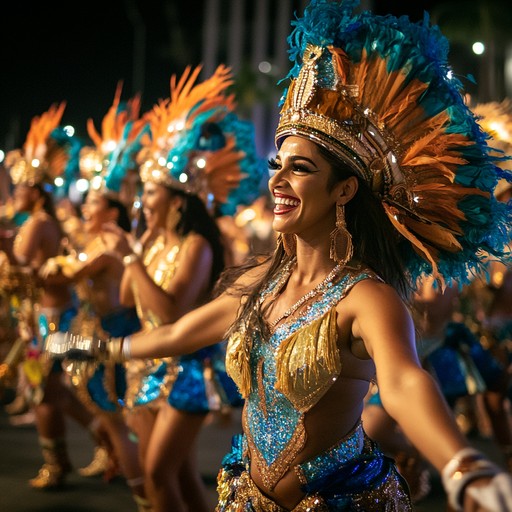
(353, 454)
(300, 446)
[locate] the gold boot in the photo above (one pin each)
(137, 486)
(56, 467)
(98, 465)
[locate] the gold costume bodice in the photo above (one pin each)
(162, 275)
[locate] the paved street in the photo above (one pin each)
(20, 458)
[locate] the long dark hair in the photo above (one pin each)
(48, 205)
(196, 218)
(123, 219)
(374, 239)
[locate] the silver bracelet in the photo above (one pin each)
(465, 466)
(126, 351)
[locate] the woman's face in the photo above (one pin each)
(303, 203)
(155, 204)
(96, 212)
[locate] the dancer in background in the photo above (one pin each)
(488, 304)
(46, 307)
(198, 162)
(96, 275)
(381, 176)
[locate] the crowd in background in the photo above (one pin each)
(174, 198)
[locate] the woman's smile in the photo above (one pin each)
(284, 203)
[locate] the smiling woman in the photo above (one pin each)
(381, 177)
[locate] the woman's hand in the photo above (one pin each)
(489, 494)
(475, 484)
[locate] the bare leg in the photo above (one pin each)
(169, 462)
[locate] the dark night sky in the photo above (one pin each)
(78, 53)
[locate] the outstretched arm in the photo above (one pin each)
(201, 327)
(411, 396)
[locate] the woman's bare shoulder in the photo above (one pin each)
(373, 294)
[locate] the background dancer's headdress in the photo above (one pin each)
(106, 164)
(496, 119)
(378, 92)
(197, 143)
(49, 152)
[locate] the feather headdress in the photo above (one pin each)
(378, 92)
(197, 143)
(105, 165)
(48, 152)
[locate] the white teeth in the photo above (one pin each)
(286, 201)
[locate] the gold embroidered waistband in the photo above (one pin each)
(248, 492)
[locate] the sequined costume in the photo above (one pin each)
(461, 365)
(196, 382)
(103, 387)
(353, 474)
(36, 366)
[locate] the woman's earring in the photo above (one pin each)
(289, 244)
(341, 240)
(173, 218)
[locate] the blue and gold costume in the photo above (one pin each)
(197, 382)
(281, 383)
(104, 388)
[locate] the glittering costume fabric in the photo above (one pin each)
(196, 383)
(105, 388)
(101, 386)
(353, 474)
(461, 365)
(35, 366)
(202, 384)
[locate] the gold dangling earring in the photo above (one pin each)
(173, 218)
(341, 240)
(289, 244)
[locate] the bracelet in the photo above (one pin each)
(467, 465)
(126, 349)
(115, 350)
(130, 258)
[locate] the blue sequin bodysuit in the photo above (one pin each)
(289, 374)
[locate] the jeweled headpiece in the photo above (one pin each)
(377, 91)
(105, 165)
(197, 143)
(48, 152)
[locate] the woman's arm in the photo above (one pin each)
(186, 288)
(411, 396)
(408, 392)
(29, 240)
(61, 270)
(201, 327)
